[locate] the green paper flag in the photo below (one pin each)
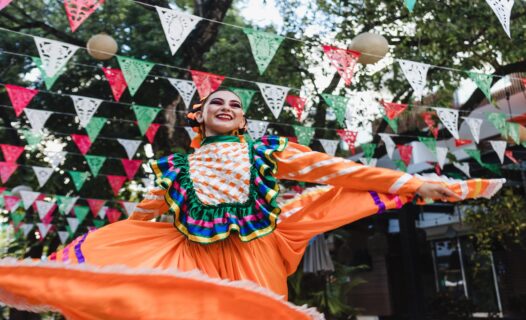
(32, 138)
(392, 123)
(338, 105)
(264, 46)
(134, 71)
(483, 82)
(64, 203)
(68, 229)
(78, 178)
(430, 143)
(17, 217)
(368, 150)
(95, 163)
(98, 223)
(410, 4)
(145, 116)
(94, 126)
(513, 131)
(304, 134)
(493, 167)
(246, 96)
(475, 154)
(49, 81)
(400, 165)
(81, 212)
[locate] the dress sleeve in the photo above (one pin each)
(300, 163)
(152, 206)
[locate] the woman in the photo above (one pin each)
(227, 224)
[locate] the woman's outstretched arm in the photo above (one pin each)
(152, 206)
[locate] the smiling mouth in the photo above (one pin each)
(224, 117)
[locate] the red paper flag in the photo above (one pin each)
(152, 131)
(461, 142)
(406, 152)
(292, 139)
(298, 104)
(431, 123)
(437, 169)
(11, 153)
(6, 170)
(116, 183)
(20, 97)
(11, 202)
(2, 189)
(113, 215)
(392, 109)
(95, 205)
(82, 141)
(78, 11)
(349, 137)
(206, 82)
(343, 60)
(510, 156)
(116, 80)
(131, 167)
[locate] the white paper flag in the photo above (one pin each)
(176, 26)
(389, 144)
(464, 167)
(44, 229)
(43, 208)
(66, 204)
(55, 158)
(28, 197)
(73, 224)
(441, 153)
(474, 126)
(256, 128)
(54, 54)
(63, 235)
(85, 108)
(502, 9)
(148, 182)
(130, 146)
(129, 207)
(330, 146)
(42, 174)
(186, 89)
(26, 227)
(274, 97)
(416, 74)
(499, 147)
(37, 118)
(102, 212)
(369, 162)
(449, 118)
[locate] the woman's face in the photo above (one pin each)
(222, 114)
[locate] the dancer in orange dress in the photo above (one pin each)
(231, 247)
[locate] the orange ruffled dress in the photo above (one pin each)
(227, 225)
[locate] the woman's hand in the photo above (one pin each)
(436, 191)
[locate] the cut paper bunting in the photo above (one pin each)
(116, 80)
(54, 55)
(370, 162)
(392, 109)
(449, 118)
(410, 4)
(304, 134)
(32, 139)
(475, 154)
(130, 146)
(509, 155)
(6, 170)
(78, 11)
(78, 178)
(274, 97)
(65, 204)
(129, 207)
(464, 167)
(500, 148)
(343, 60)
(186, 89)
(152, 131)
(131, 167)
(11, 153)
(406, 153)
(206, 82)
(462, 142)
(98, 223)
(85, 108)
(474, 125)
(400, 164)
(4, 3)
(338, 105)
(113, 215)
(483, 82)
(393, 123)
(82, 141)
(502, 9)
(297, 104)
(48, 81)
(20, 97)
(116, 183)
(416, 74)
(11, 203)
(264, 46)
(81, 212)
(28, 198)
(429, 142)
(441, 153)
(145, 116)
(431, 123)
(63, 236)
(37, 119)
(134, 71)
(95, 163)
(95, 206)
(55, 158)
(256, 128)
(45, 210)
(177, 26)
(102, 212)
(513, 130)
(43, 174)
(246, 96)
(94, 127)
(43, 229)
(73, 224)
(389, 144)
(368, 150)
(17, 217)
(349, 137)
(330, 146)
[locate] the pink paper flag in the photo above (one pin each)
(78, 11)
(152, 131)
(117, 82)
(95, 205)
(116, 183)
(11, 153)
(20, 97)
(6, 170)
(131, 167)
(82, 141)
(2, 189)
(4, 3)
(406, 152)
(298, 104)
(206, 82)
(11, 202)
(349, 137)
(343, 60)
(113, 215)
